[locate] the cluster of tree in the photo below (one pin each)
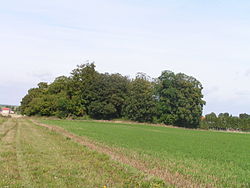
(224, 121)
(174, 99)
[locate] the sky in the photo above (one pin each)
(210, 40)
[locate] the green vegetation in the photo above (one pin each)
(180, 100)
(32, 156)
(224, 121)
(139, 104)
(204, 157)
(171, 99)
(2, 119)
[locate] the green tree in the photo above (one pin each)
(172, 99)
(140, 103)
(211, 117)
(244, 116)
(111, 91)
(179, 99)
(60, 84)
(82, 89)
(224, 115)
(27, 107)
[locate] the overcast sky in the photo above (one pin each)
(210, 40)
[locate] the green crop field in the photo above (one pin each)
(33, 156)
(180, 156)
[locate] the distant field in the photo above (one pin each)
(33, 156)
(201, 158)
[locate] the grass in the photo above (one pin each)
(2, 119)
(33, 156)
(205, 157)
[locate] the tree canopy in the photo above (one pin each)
(171, 98)
(179, 99)
(225, 121)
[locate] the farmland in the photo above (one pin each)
(33, 156)
(197, 158)
(71, 153)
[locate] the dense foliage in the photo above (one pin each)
(171, 99)
(140, 102)
(179, 99)
(224, 121)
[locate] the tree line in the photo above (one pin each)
(224, 121)
(174, 99)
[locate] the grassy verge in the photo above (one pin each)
(205, 157)
(32, 156)
(9, 174)
(2, 119)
